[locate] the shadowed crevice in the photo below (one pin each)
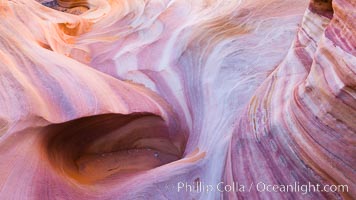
(94, 148)
(69, 6)
(322, 7)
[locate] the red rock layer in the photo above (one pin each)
(299, 126)
(123, 99)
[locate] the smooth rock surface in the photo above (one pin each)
(124, 99)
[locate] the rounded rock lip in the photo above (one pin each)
(91, 149)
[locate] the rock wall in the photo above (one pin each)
(125, 99)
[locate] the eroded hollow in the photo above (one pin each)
(322, 7)
(94, 148)
(75, 7)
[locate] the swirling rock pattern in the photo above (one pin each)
(122, 99)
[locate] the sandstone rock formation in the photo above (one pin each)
(123, 99)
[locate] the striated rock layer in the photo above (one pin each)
(124, 99)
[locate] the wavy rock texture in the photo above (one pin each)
(122, 99)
